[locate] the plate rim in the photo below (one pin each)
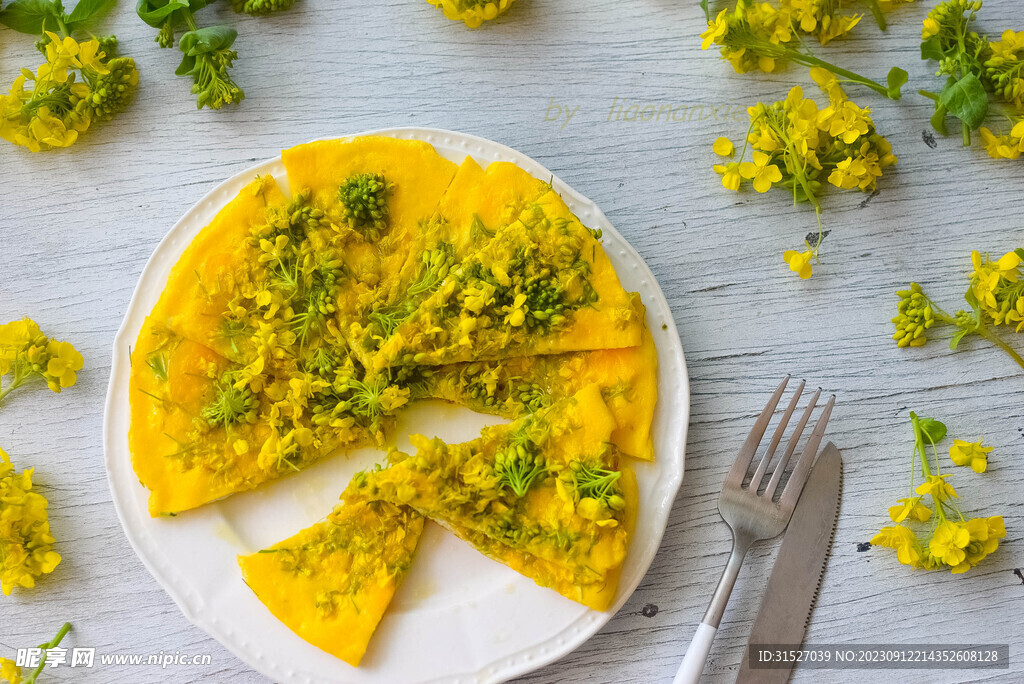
(505, 667)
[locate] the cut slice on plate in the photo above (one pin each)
(375, 191)
(201, 431)
(476, 204)
(542, 285)
(217, 265)
(628, 379)
(576, 584)
(546, 485)
(332, 582)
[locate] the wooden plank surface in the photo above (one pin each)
(77, 227)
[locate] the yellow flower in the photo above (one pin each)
(716, 29)
(723, 147)
(848, 173)
(971, 454)
(988, 274)
(911, 507)
(90, 57)
(999, 147)
(937, 486)
(846, 121)
(730, 175)
(26, 546)
(760, 171)
(799, 262)
(64, 363)
(9, 671)
(903, 540)
(931, 28)
(948, 543)
(472, 12)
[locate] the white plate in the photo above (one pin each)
(458, 616)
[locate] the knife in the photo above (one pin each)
(799, 569)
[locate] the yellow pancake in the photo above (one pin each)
(332, 582)
(542, 285)
(545, 514)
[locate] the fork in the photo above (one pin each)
(752, 516)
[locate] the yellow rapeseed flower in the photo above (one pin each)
(948, 543)
(723, 147)
(26, 546)
(971, 454)
(9, 671)
(760, 171)
(910, 507)
(799, 262)
(730, 173)
(937, 486)
(472, 12)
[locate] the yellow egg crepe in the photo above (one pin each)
(332, 582)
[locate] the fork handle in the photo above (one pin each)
(697, 654)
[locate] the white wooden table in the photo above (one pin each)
(78, 225)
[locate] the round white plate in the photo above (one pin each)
(458, 616)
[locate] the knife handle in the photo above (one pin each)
(696, 655)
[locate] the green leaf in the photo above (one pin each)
(31, 16)
(707, 12)
(87, 9)
(155, 12)
(939, 119)
(1020, 252)
(932, 430)
(955, 341)
(209, 39)
(896, 80)
(966, 99)
(932, 49)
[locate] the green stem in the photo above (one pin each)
(62, 27)
(53, 643)
(877, 13)
(186, 14)
(812, 61)
(966, 134)
(996, 340)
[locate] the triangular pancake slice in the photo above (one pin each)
(476, 204)
(378, 188)
(332, 582)
(199, 432)
(546, 485)
(543, 285)
(576, 584)
(628, 379)
(216, 266)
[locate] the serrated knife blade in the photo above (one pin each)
(799, 568)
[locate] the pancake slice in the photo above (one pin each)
(510, 388)
(331, 583)
(542, 285)
(546, 485)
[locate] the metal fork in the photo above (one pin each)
(752, 516)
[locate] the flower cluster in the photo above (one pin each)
(26, 353)
(759, 36)
(472, 12)
(952, 541)
(207, 56)
(975, 69)
(798, 145)
(79, 84)
(995, 294)
(26, 545)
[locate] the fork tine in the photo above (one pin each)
(755, 481)
(780, 467)
(803, 467)
(749, 448)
